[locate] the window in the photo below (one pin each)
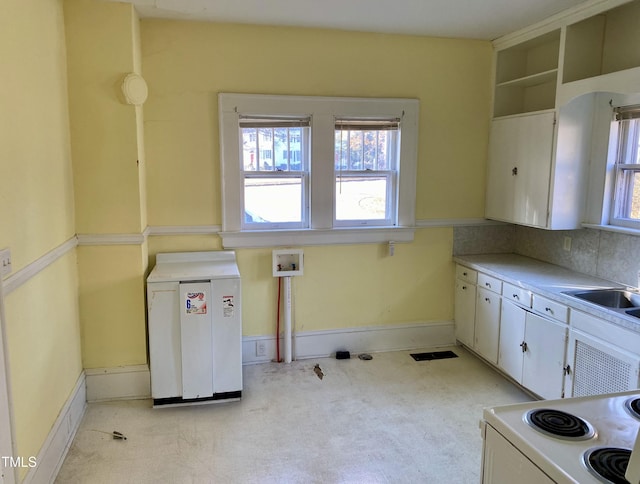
(365, 168)
(274, 191)
(626, 197)
(315, 170)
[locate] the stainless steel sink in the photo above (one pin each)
(610, 298)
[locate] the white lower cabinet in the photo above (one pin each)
(465, 312)
(544, 356)
(487, 327)
(512, 327)
(532, 350)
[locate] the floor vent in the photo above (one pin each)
(435, 355)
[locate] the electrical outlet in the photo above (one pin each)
(261, 348)
(567, 244)
(5, 262)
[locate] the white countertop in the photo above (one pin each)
(550, 281)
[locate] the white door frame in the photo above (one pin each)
(8, 474)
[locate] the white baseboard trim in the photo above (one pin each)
(370, 339)
(120, 383)
(134, 382)
(55, 447)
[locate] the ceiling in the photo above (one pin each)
(473, 19)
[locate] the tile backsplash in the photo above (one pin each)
(610, 255)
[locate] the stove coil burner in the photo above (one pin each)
(608, 464)
(559, 424)
(633, 406)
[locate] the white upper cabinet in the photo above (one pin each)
(602, 53)
(519, 169)
(526, 76)
(546, 81)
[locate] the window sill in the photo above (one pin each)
(277, 238)
(613, 228)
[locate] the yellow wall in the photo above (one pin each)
(44, 348)
(107, 139)
(187, 63)
(37, 215)
(104, 134)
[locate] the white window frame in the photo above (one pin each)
(626, 138)
(390, 174)
(321, 224)
(301, 174)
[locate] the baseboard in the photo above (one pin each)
(134, 382)
(55, 447)
(120, 383)
(317, 344)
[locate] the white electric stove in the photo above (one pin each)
(574, 440)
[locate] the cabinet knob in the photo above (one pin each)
(523, 345)
(464, 288)
(488, 284)
(549, 310)
(487, 299)
(464, 273)
(514, 172)
(567, 370)
(515, 296)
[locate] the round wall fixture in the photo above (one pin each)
(134, 89)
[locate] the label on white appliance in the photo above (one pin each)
(196, 303)
(227, 306)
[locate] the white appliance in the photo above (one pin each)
(195, 328)
(598, 437)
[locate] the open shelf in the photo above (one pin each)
(526, 75)
(603, 44)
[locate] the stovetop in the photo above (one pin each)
(594, 423)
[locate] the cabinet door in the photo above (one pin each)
(512, 324)
(503, 151)
(487, 324)
(599, 367)
(519, 173)
(544, 358)
(465, 312)
(535, 147)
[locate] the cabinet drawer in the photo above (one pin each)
(466, 274)
(490, 283)
(551, 309)
(517, 294)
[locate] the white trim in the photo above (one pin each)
(323, 111)
(134, 382)
(184, 230)
(613, 228)
(56, 445)
(566, 17)
(119, 383)
(20, 277)
(7, 434)
(278, 238)
(318, 344)
(111, 239)
(456, 222)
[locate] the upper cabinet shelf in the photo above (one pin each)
(605, 43)
(526, 75)
(589, 49)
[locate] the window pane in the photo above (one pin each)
(273, 200)
(361, 198)
(365, 149)
(628, 198)
(273, 148)
(249, 158)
